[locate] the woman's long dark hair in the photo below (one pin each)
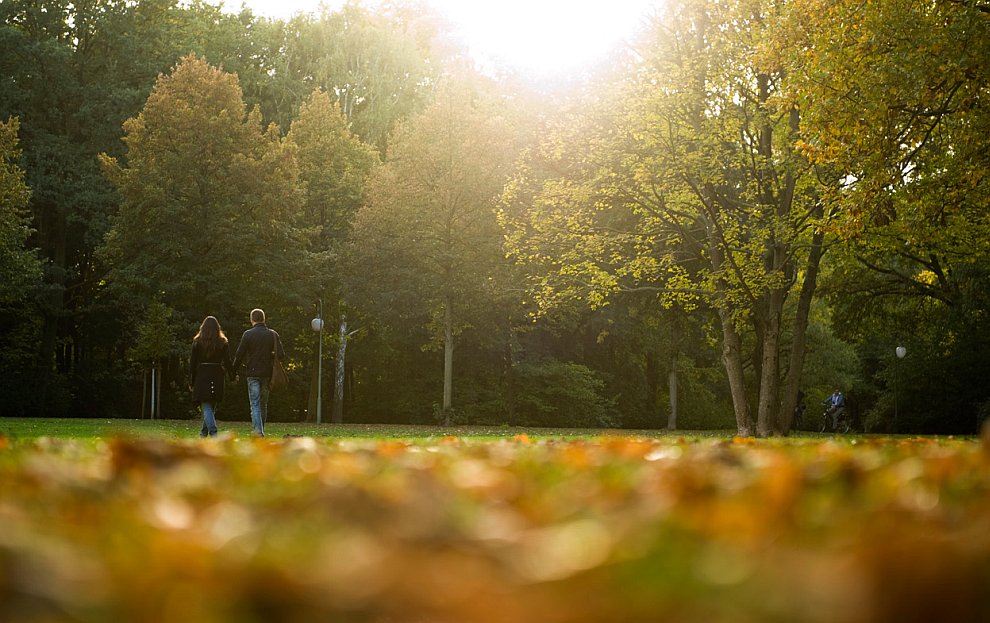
(210, 336)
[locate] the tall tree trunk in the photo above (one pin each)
(448, 360)
(732, 360)
(510, 378)
(338, 379)
(144, 393)
(770, 366)
(672, 386)
(792, 383)
(154, 391)
(652, 373)
(673, 374)
(158, 392)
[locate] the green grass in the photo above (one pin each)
(81, 428)
(102, 428)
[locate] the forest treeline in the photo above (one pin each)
(754, 202)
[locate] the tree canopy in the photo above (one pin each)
(787, 188)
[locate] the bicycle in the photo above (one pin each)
(843, 424)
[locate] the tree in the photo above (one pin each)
(154, 340)
(19, 267)
(380, 67)
(333, 167)
(207, 202)
(426, 242)
(73, 72)
(694, 190)
(899, 112)
(20, 276)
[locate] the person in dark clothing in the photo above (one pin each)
(257, 352)
(836, 404)
(209, 360)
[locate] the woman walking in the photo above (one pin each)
(210, 359)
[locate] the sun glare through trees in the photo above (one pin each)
(538, 38)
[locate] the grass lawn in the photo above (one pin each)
(82, 428)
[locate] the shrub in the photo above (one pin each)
(554, 393)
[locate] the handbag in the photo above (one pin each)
(279, 378)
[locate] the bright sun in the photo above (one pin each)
(543, 38)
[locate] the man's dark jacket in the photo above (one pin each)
(256, 351)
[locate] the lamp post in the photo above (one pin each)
(900, 351)
(317, 325)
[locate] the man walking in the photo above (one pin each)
(257, 351)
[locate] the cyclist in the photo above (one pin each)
(836, 404)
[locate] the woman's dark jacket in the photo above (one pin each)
(207, 372)
(256, 351)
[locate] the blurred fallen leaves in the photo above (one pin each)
(519, 530)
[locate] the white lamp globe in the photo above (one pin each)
(317, 324)
(901, 351)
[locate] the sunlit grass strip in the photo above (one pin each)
(82, 428)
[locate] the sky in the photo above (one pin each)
(541, 38)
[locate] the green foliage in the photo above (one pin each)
(554, 393)
(381, 66)
(19, 267)
(900, 115)
(687, 189)
(208, 202)
(691, 188)
(425, 247)
(899, 91)
(333, 167)
(831, 363)
(155, 335)
(939, 385)
(18, 345)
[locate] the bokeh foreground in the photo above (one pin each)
(461, 531)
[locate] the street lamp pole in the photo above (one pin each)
(900, 351)
(317, 325)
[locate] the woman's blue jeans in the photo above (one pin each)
(209, 419)
(258, 392)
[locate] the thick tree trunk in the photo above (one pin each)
(770, 366)
(787, 401)
(792, 383)
(732, 360)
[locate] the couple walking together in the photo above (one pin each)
(211, 359)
